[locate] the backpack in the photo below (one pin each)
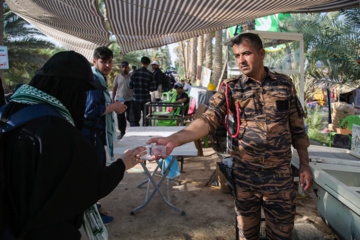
(16, 120)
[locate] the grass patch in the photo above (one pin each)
(315, 135)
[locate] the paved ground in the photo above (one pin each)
(209, 212)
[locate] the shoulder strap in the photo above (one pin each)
(25, 115)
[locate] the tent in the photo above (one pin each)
(140, 24)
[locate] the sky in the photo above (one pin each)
(172, 54)
(171, 49)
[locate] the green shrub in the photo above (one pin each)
(317, 136)
(314, 120)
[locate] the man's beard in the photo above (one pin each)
(125, 72)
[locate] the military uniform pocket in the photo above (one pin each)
(281, 98)
(247, 104)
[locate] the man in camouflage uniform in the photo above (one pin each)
(271, 119)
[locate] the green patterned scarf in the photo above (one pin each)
(109, 118)
(27, 94)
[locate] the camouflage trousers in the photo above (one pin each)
(272, 189)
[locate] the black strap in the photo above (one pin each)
(25, 115)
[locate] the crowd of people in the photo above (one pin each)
(53, 161)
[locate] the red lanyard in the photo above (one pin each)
(227, 113)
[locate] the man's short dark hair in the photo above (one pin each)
(145, 60)
(134, 67)
(254, 39)
(103, 53)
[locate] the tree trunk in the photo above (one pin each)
(218, 57)
(193, 59)
(208, 50)
(200, 53)
(183, 59)
(188, 60)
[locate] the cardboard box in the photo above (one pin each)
(343, 131)
(222, 180)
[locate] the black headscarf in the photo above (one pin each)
(70, 92)
(67, 76)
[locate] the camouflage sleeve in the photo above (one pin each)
(216, 111)
(300, 139)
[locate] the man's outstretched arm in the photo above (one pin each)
(196, 130)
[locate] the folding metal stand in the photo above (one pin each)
(157, 187)
(136, 136)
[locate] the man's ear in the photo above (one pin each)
(262, 53)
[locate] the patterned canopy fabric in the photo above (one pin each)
(77, 25)
(140, 24)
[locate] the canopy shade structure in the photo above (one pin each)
(140, 24)
(77, 25)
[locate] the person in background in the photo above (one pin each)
(159, 76)
(122, 91)
(187, 85)
(172, 81)
(99, 125)
(141, 82)
(182, 97)
(133, 68)
(271, 120)
(50, 173)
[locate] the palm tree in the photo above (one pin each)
(188, 58)
(208, 50)
(180, 64)
(182, 53)
(217, 57)
(28, 49)
(193, 60)
(200, 54)
(334, 40)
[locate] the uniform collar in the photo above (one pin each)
(244, 78)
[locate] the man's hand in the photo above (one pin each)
(305, 176)
(165, 141)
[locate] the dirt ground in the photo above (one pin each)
(209, 213)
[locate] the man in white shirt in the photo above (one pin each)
(122, 92)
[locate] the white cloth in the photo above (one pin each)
(187, 86)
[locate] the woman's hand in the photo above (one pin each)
(132, 157)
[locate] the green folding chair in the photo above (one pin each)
(350, 121)
(174, 112)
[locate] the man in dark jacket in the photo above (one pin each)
(142, 82)
(159, 78)
(49, 172)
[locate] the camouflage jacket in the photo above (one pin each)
(271, 118)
